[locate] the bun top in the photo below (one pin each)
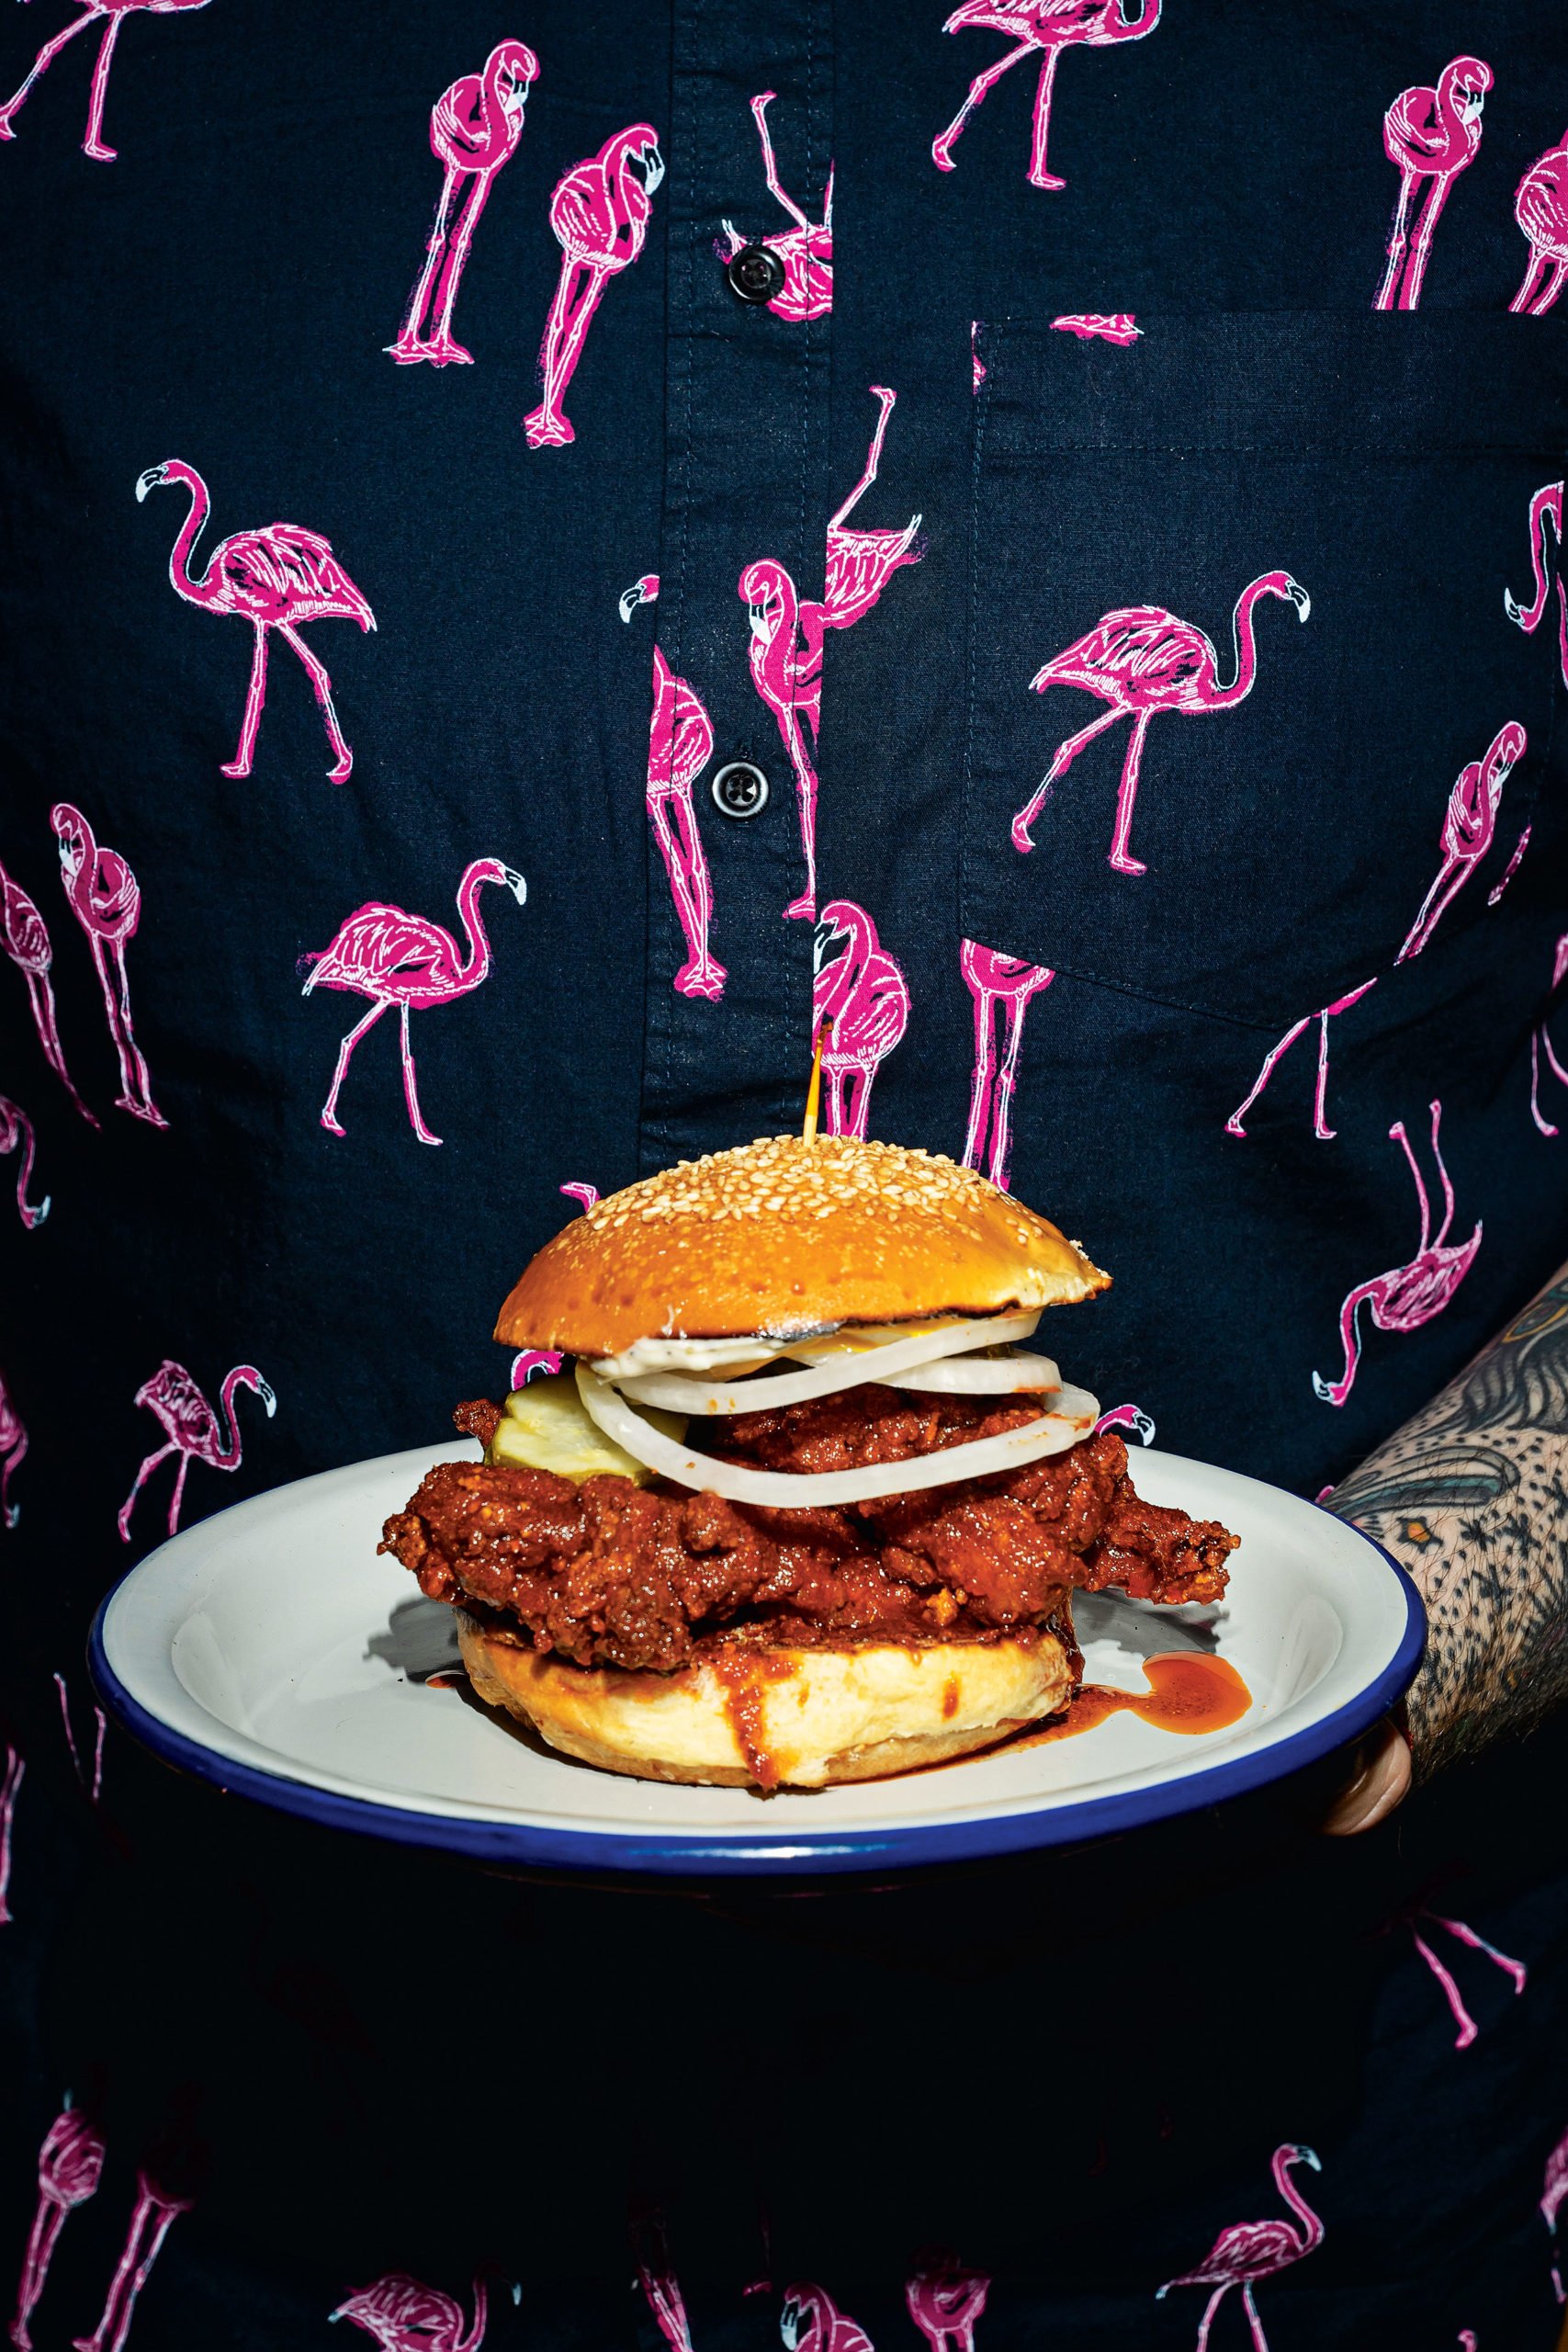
(783, 1236)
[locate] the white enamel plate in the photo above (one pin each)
(271, 1651)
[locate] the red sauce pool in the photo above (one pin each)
(1189, 1690)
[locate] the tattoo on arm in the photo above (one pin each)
(1471, 1496)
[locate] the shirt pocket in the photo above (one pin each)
(1270, 577)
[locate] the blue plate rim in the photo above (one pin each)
(803, 1853)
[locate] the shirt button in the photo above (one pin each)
(756, 274)
(740, 789)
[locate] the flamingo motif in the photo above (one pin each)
(1046, 27)
(1428, 135)
(1553, 2190)
(173, 1396)
(1115, 326)
(1405, 1296)
(662, 2290)
(977, 366)
(279, 577)
(1541, 207)
(409, 961)
(151, 2220)
(112, 12)
(1510, 869)
(106, 902)
(1467, 1936)
(641, 592)
(810, 2320)
(860, 991)
(944, 2301)
(599, 213)
(1546, 506)
(1133, 1417)
(16, 1135)
(10, 1789)
(25, 936)
(69, 2163)
(1252, 2250)
(1541, 1043)
(1141, 660)
(787, 632)
(13, 1448)
(404, 2316)
(806, 250)
(528, 1361)
(991, 979)
(680, 745)
(1468, 827)
(1278, 1051)
(96, 1790)
(474, 130)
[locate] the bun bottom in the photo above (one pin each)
(795, 1718)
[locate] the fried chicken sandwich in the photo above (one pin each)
(805, 1508)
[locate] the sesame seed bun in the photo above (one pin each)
(783, 1236)
(778, 1717)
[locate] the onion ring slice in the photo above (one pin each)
(1054, 1432)
(1016, 1373)
(850, 1366)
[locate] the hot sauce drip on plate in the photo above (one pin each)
(1189, 1690)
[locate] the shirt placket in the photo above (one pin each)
(746, 483)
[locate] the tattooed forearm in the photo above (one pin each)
(1471, 1496)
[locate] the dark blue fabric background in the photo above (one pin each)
(365, 2064)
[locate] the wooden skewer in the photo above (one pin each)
(813, 1091)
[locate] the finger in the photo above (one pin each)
(1382, 1783)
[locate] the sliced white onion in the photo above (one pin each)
(850, 1366)
(699, 1355)
(1016, 1373)
(1075, 1414)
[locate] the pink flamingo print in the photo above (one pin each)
(641, 592)
(1277, 1053)
(276, 577)
(810, 2320)
(1141, 660)
(1554, 2190)
(1115, 326)
(1428, 135)
(393, 958)
(1514, 1969)
(106, 902)
(1541, 1043)
(151, 2219)
(978, 365)
(173, 1399)
(805, 251)
(1405, 1296)
(96, 1790)
(69, 2163)
(528, 1361)
(10, 1789)
(787, 632)
(13, 1448)
(662, 2290)
(1468, 826)
(680, 745)
(25, 936)
(599, 213)
(1541, 207)
(991, 979)
(1510, 869)
(474, 130)
(1546, 507)
(1046, 27)
(404, 2315)
(860, 990)
(1249, 2251)
(944, 2301)
(111, 12)
(16, 1135)
(1133, 1417)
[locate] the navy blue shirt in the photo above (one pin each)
(1081, 606)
